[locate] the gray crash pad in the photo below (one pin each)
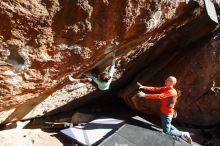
(93, 132)
(139, 132)
(134, 131)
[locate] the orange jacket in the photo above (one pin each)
(168, 98)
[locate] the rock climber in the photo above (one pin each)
(168, 96)
(104, 79)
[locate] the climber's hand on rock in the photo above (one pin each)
(70, 79)
(140, 86)
(140, 94)
(89, 79)
(66, 79)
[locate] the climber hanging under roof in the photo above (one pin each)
(104, 79)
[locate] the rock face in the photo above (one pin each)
(25, 137)
(43, 41)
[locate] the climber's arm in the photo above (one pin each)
(112, 68)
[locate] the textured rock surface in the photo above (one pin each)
(25, 137)
(43, 41)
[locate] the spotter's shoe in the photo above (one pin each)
(186, 136)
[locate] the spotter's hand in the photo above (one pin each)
(140, 86)
(140, 94)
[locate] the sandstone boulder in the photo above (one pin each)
(41, 42)
(25, 137)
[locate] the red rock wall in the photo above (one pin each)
(43, 41)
